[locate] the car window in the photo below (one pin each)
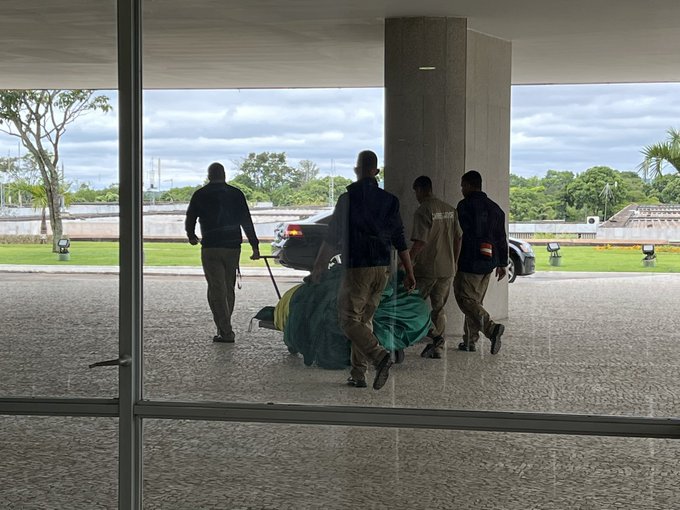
(322, 218)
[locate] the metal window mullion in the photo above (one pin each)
(81, 407)
(130, 296)
(483, 421)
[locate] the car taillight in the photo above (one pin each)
(293, 230)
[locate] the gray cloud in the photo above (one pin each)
(560, 127)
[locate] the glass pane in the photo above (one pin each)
(199, 464)
(55, 462)
(561, 353)
(59, 207)
(588, 338)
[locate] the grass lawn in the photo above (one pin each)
(574, 258)
(615, 259)
(85, 253)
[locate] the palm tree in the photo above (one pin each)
(39, 200)
(658, 155)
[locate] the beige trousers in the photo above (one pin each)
(358, 298)
(219, 267)
(437, 291)
(470, 290)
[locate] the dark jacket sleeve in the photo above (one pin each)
(246, 222)
(501, 239)
(192, 216)
(397, 238)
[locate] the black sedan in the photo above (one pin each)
(296, 245)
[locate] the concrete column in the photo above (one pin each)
(447, 110)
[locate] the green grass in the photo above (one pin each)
(615, 259)
(574, 258)
(84, 253)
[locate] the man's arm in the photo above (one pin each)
(416, 248)
(248, 228)
(409, 279)
(501, 246)
(457, 238)
(422, 224)
(190, 221)
(399, 242)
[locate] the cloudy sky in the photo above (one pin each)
(553, 127)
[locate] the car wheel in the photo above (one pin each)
(512, 270)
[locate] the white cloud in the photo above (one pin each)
(561, 127)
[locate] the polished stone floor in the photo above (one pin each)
(574, 343)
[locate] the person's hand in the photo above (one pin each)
(409, 282)
(193, 240)
(501, 272)
(255, 255)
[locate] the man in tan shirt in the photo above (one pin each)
(436, 246)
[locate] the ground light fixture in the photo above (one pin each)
(555, 257)
(64, 245)
(650, 256)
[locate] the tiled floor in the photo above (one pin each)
(574, 343)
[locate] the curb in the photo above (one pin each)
(149, 270)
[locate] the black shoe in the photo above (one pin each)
(399, 356)
(382, 371)
(498, 331)
(357, 383)
(436, 355)
(438, 341)
(468, 348)
(224, 339)
(427, 351)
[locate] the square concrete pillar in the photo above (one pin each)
(447, 110)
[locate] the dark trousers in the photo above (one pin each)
(220, 266)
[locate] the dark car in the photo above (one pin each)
(296, 245)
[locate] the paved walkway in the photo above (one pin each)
(575, 343)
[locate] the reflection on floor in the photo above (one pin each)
(70, 463)
(573, 344)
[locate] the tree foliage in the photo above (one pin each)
(657, 156)
(562, 195)
(39, 119)
(267, 172)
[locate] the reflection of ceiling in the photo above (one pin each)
(328, 43)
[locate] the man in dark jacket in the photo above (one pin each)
(221, 211)
(366, 224)
(484, 248)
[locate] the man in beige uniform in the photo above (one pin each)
(436, 246)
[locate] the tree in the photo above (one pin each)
(671, 193)
(530, 204)
(308, 170)
(251, 195)
(587, 191)
(267, 171)
(39, 119)
(182, 194)
(84, 194)
(39, 199)
(659, 155)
